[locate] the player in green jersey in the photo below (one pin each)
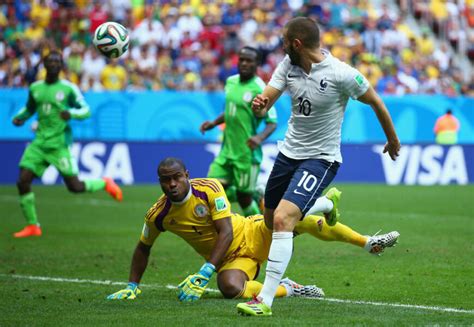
(238, 162)
(55, 101)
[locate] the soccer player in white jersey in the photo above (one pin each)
(320, 86)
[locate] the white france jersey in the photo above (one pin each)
(318, 102)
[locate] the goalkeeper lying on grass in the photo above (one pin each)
(235, 247)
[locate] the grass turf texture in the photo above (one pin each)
(92, 237)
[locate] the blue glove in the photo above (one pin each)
(193, 287)
(130, 292)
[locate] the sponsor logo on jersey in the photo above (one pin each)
(60, 96)
(323, 85)
(221, 203)
(359, 80)
(247, 96)
(201, 210)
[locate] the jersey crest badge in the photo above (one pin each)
(323, 85)
(247, 96)
(60, 96)
(221, 204)
(201, 210)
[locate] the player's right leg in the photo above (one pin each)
(317, 227)
(221, 170)
(245, 179)
(32, 165)
(27, 204)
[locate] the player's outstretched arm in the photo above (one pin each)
(193, 287)
(139, 264)
(263, 102)
(393, 144)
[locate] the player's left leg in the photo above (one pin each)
(63, 160)
(236, 279)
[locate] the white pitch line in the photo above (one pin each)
(169, 286)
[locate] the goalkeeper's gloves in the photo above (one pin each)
(130, 292)
(193, 287)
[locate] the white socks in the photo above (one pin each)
(322, 204)
(278, 259)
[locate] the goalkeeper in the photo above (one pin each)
(234, 247)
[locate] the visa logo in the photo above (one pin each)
(425, 165)
(97, 159)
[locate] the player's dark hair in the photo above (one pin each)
(304, 29)
(54, 52)
(171, 161)
(256, 51)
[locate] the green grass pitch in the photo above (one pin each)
(90, 237)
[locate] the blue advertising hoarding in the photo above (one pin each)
(168, 116)
(136, 162)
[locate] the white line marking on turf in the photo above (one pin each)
(169, 286)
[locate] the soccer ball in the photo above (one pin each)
(111, 39)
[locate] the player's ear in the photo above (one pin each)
(187, 173)
(297, 44)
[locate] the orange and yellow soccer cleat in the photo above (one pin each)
(29, 230)
(113, 189)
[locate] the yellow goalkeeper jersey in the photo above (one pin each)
(192, 219)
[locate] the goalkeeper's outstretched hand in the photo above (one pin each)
(130, 293)
(193, 287)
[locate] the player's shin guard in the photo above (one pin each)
(94, 185)
(28, 207)
(251, 210)
(278, 259)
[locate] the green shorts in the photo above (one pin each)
(37, 159)
(241, 175)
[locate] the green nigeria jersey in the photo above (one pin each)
(240, 121)
(48, 100)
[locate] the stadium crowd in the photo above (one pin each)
(193, 45)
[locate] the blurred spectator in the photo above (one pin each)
(191, 44)
(114, 76)
(97, 16)
(446, 128)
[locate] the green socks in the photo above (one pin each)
(94, 185)
(27, 204)
(252, 209)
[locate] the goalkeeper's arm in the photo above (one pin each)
(193, 287)
(139, 264)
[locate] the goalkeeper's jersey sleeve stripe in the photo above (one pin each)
(199, 194)
(206, 182)
(162, 215)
